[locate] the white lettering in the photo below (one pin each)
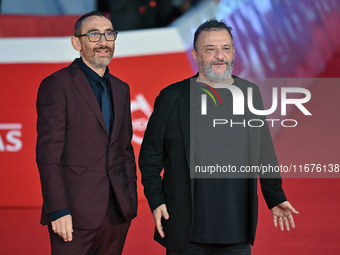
(2, 146)
(219, 121)
(262, 112)
(139, 124)
(13, 138)
(10, 140)
(295, 122)
(243, 123)
(238, 100)
(256, 120)
(297, 101)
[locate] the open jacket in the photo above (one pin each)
(166, 145)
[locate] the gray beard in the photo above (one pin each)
(214, 77)
(100, 63)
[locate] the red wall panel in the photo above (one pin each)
(19, 181)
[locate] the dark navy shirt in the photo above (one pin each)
(94, 80)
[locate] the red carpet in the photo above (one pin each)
(317, 141)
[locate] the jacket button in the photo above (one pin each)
(109, 149)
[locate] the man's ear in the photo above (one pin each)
(76, 43)
(194, 55)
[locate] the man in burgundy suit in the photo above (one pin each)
(84, 152)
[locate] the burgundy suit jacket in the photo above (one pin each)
(75, 157)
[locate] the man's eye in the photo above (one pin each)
(94, 34)
(109, 33)
(210, 49)
(227, 48)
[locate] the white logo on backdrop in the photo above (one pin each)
(139, 123)
(10, 134)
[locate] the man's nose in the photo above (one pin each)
(103, 41)
(219, 54)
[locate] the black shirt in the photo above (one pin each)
(221, 206)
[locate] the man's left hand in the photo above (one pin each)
(283, 213)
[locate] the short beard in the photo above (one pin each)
(214, 77)
(102, 62)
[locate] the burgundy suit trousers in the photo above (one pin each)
(108, 239)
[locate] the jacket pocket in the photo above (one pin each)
(70, 169)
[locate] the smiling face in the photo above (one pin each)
(97, 55)
(214, 55)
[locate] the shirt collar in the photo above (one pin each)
(92, 74)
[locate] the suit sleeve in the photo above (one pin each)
(151, 155)
(51, 125)
(271, 183)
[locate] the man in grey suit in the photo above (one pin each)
(208, 216)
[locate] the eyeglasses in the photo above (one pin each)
(96, 36)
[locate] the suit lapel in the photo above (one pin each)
(116, 101)
(185, 119)
(85, 90)
(184, 114)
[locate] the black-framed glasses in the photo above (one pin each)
(96, 36)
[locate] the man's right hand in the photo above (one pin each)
(63, 227)
(158, 213)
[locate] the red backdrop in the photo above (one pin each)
(146, 75)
